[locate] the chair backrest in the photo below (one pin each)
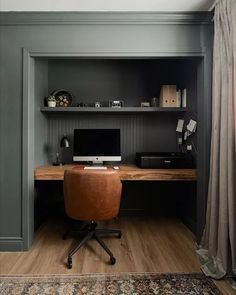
(92, 194)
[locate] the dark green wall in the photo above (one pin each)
(80, 35)
(132, 80)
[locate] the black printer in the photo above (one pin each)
(160, 160)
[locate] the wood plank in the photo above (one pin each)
(147, 245)
(126, 172)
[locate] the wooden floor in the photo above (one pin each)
(147, 245)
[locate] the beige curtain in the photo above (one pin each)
(218, 247)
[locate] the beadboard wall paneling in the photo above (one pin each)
(149, 132)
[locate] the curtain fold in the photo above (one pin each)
(217, 251)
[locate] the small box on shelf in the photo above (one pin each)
(168, 97)
(145, 104)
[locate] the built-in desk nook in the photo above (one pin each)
(143, 119)
(92, 86)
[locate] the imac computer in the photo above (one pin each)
(96, 145)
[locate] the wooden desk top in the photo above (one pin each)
(126, 172)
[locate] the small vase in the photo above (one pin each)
(52, 104)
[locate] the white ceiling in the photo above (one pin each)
(105, 5)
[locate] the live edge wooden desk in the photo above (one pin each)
(126, 172)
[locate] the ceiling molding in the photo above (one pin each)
(92, 18)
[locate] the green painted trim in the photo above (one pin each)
(27, 152)
(11, 244)
(116, 54)
(104, 18)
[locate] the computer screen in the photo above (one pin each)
(97, 145)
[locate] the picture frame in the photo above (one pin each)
(116, 103)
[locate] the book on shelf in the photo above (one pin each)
(178, 98)
(184, 98)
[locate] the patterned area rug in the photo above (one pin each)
(122, 284)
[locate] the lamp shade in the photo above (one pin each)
(65, 143)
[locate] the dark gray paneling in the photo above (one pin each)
(40, 125)
(132, 80)
(204, 129)
(10, 141)
(138, 132)
(47, 35)
(190, 80)
(103, 80)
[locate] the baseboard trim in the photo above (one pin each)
(11, 244)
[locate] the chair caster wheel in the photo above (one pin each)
(69, 262)
(112, 260)
(119, 235)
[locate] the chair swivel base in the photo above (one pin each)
(90, 232)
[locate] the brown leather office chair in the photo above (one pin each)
(92, 195)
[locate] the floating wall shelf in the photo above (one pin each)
(110, 110)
